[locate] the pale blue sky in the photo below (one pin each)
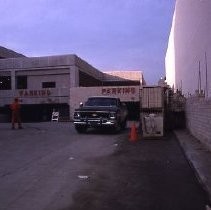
(108, 34)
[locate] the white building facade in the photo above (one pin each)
(188, 63)
(188, 57)
(43, 84)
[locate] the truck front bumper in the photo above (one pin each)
(95, 122)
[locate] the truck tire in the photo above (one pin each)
(117, 127)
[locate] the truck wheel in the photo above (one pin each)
(80, 128)
(117, 128)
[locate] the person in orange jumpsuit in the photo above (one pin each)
(15, 107)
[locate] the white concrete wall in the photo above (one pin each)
(170, 58)
(198, 114)
(35, 94)
(191, 39)
(62, 81)
(74, 76)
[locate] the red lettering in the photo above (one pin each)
(35, 92)
(133, 90)
(119, 90)
(25, 93)
(103, 91)
(127, 90)
(39, 92)
(31, 93)
(108, 91)
(113, 90)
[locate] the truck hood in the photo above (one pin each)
(97, 108)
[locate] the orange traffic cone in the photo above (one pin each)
(133, 133)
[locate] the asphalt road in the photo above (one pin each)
(48, 166)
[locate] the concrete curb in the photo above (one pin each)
(198, 156)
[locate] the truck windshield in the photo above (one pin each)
(101, 102)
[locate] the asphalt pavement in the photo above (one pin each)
(48, 166)
(147, 174)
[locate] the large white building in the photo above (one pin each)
(188, 57)
(43, 84)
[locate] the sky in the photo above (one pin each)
(108, 34)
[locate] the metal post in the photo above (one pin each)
(199, 80)
(206, 75)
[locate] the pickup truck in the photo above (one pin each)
(101, 112)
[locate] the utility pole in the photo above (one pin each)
(206, 75)
(199, 80)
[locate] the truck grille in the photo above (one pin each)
(93, 115)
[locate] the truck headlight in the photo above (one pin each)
(77, 115)
(112, 115)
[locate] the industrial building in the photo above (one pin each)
(7, 53)
(188, 57)
(43, 84)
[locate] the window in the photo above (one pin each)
(48, 84)
(101, 102)
(21, 82)
(5, 82)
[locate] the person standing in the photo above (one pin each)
(15, 107)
